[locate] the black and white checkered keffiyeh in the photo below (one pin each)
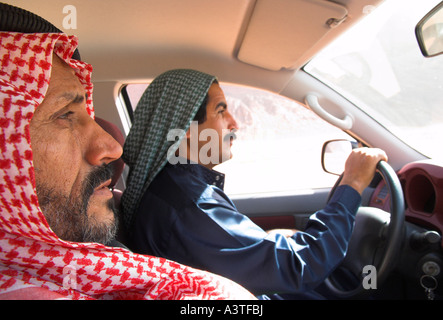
(170, 102)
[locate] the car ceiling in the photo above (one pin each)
(255, 42)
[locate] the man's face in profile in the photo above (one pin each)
(70, 155)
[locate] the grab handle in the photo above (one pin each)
(344, 124)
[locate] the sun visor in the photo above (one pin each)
(281, 31)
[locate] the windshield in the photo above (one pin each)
(378, 66)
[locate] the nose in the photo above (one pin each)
(103, 148)
(232, 123)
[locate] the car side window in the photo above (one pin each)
(278, 145)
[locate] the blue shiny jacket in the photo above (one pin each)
(185, 216)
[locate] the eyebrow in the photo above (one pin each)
(69, 98)
(73, 98)
(221, 105)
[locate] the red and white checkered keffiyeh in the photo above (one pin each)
(34, 262)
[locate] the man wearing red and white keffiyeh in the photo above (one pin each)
(54, 201)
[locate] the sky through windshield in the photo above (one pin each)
(378, 65)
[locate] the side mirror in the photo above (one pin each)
(334, 155)
(429, 32)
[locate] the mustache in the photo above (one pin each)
(231, 135)
(95, 178)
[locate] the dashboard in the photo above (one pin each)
(422, 249)
(423, 189)
(422, 184)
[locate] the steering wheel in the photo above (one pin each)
(375, 240)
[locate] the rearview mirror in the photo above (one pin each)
(334, 154)
(429, 32)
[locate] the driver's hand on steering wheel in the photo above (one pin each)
(360, 167)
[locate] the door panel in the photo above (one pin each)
(283, 211)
